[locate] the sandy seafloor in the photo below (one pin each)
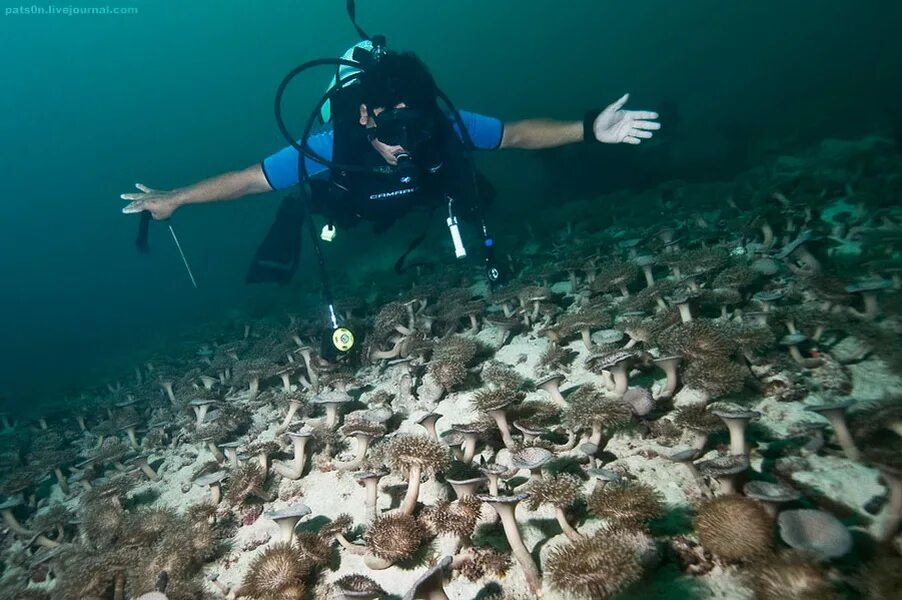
(330, 493)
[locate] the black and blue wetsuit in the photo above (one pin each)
(281, 168)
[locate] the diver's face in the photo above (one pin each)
(389, 153)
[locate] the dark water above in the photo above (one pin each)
(181, 91)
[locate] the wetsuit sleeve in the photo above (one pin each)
(281, 168)
(486, 132)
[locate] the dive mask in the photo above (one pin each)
(404, 127)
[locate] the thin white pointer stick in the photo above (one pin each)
(184, 260)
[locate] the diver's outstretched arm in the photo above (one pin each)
(228, 186)
(613, 125)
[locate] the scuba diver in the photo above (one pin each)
(393, 121)
(382, 147)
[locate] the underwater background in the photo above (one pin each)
(181, 91)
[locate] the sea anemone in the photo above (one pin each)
(277, 573)
(245, 482)
(734, 528)
(393, 537)
(716, 377)
(589, 407)
(594, 568)
(458, 517)
(560, 491)
(790, 575)
(628, 504)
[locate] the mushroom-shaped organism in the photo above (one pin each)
(364, 432)
(646, 263)
(560, 491)
(142, 463)
(430, 585)
(295, 401)
(200, 408)
(370, 481)
(358, 587)
(686, 457)
(600, 566)
(471, 433)
(214, 482)
(699, 421)
(208, 381)
(734, 528)
(473, 311)
(814, 431)
(166, 380)
(332, 400)
(836, 414)
(726, 470)
(814, 531)
(466, 487)
(618, 364)
(230, 449)
(494, 472)
(427, 421)
(590, 450)
(669, 364)
(608, 339)
(770, 495)
(504, 326)
(6, 509)
(284, 373)
(736, 420)
(262, 450)
(550, 384)
(792, 342)
(628, 504)
(640, 400)
(306, 353)
(798, 251)
(287, 519)
(767, 298)
(295, 468)
(493, 402)
(681, 300)
(868, 290)
(415, 456)
(530, 429)
(455, 441)
(532, 458)
(506, 507)
(129, 429)
(603, 477)
(583, 323)
(588, 407)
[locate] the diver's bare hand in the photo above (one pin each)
(160, 203)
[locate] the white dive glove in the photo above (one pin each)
(615, 125)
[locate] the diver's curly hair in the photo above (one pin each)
(399, 77)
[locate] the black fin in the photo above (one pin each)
(278, 256)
